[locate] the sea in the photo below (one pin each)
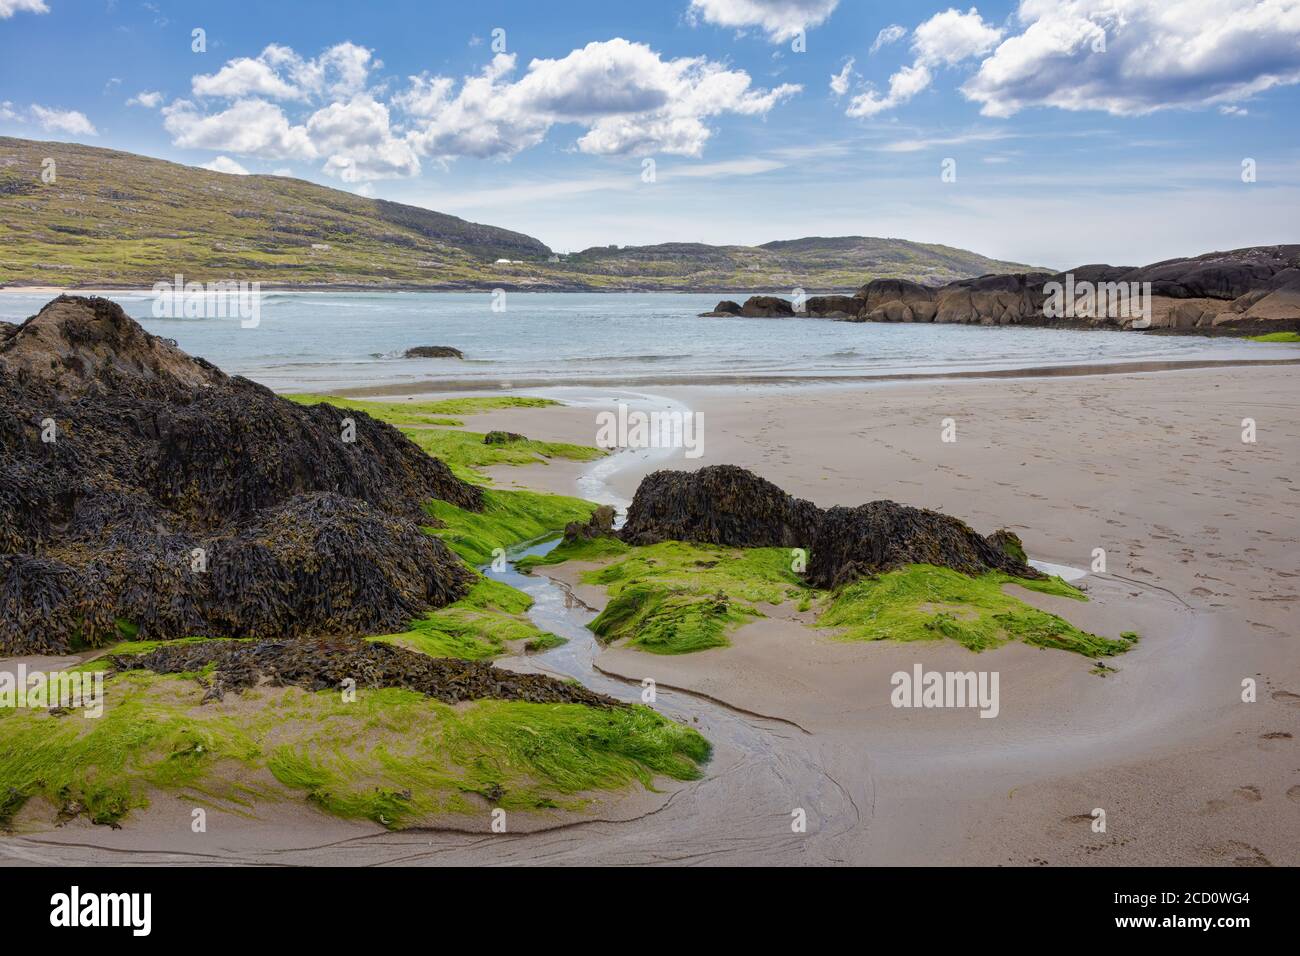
(328, 341)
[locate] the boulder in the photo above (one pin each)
(720, 504)
(175, 500)
(767, 307)
(724, 308)
(727, 505)
(433, 351)
(502, 438)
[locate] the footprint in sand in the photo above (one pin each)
(1275, 735)
(1294, 794)
(1286, 697)
(1240, 854)
(1245, 794)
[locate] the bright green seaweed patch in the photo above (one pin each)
(392, 756)
(579, 549)
(465, 454)
(1277, 337)
(508, 518)
(478, 626)
(924, 602)
(411, 412)
(676, 598)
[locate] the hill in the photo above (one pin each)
(113, 219)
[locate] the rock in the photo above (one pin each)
(1250, 290)
(433, 351)
(724, 308)
(832, 306)
(767, 307)
(179, 500)
(325, 663)
(727, 505)
(720, 504)
(884, 535)
(502, 438)
(599, 525)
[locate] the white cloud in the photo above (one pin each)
(781, 20)
(249, 127)
(890, 34)
(1132, 57)
(630, 99)
(7, 112)
(352, 133)
(224, 164)
(280, 73)
(840, 81)
(945, 39)
(9, 7)
(63, 121)
(150, 100)
(244, 77)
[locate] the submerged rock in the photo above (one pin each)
(325, 663)
(433, 351)
(143, 491)
(728, 505)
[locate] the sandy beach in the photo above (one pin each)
(1201, 534)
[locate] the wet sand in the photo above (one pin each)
(1202, 537)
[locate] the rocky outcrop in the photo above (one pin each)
(143, 491)
(720, 504)
(725, 308)
(1244, 291)
(433, 351)
(727, 505)
(884, 536)
(324, 664)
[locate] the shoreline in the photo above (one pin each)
(436, 387)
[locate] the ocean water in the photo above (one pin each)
(323, 341)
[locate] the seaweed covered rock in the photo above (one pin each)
(720, 504)
(325, 663)
(145, 491)
(884, 535)
(502, 438)
(727, 505)
(599, 525)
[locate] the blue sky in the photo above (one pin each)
(1079, 130)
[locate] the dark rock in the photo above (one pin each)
(832, 305)
(599, 525)
(727, 505)
(724, 308)
(158, 455)
(433, 351)
(502, 438)
(766, 306)
(325, 663)
(720, 504)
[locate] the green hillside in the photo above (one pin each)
(117, 220)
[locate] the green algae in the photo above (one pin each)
(392, 756)
(508, 518)
(923, 602)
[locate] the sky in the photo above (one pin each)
(1049, 132)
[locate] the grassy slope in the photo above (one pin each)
(117, 219)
